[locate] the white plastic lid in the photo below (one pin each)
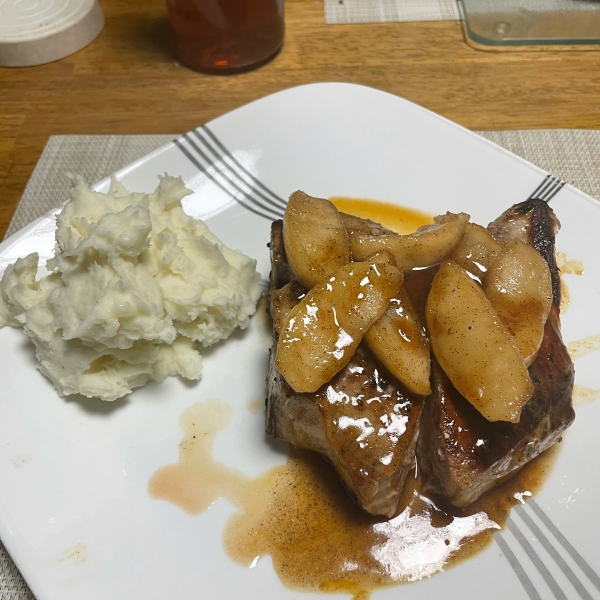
(34, 32)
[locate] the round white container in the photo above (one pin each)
(34, 32)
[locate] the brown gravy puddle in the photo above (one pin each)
(300, 511)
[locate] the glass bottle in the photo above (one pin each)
(226, 36)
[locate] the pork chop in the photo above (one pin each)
(462, 451)
(363, 421)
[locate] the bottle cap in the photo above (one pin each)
(34, 32)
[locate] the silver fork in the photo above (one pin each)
(547, 189)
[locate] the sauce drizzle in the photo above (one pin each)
(587, 345)
(570, 266)
(319, 540)
(397, 218)
(584, 395)
(567, 266)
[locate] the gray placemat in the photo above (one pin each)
(92, 156)
(338, 12)
(571, 154)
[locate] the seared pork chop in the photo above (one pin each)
(464, 452)
(363, 420)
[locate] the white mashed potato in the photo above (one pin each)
(134, 287)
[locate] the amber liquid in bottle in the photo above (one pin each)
(224, 36)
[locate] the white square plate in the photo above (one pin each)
(74, 473)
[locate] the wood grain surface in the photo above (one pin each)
(128, 81)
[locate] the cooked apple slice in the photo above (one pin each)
(476, 250)
(282, 301)
(315, 238)
(429, 245)
(385, 256)
(519, 286)
(324, 329)
(356, 226)
(399, 341)
(474, 348)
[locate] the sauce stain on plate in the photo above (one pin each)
(401, 219)
(76, 555)
(255, 404)
(567, 266)
(583, 347)
(19, 461)
(263, 318)
(584, 395)
(319, 540)
(197, 480)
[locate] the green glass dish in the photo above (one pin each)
(532, 22)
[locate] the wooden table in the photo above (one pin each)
(128, 81)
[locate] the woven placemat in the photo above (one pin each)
(92, 156)
(571, 154)
(338, 12)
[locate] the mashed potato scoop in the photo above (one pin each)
(135, 286)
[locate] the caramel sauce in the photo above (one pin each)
(587, 345)
(255, 404)
(318, 539)
(578, 348)
(197, 480)
(570, 266)
(263, 318)
(397, 218)
(567, 266)
(584, 395)
(565, 296)
(300, 514)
